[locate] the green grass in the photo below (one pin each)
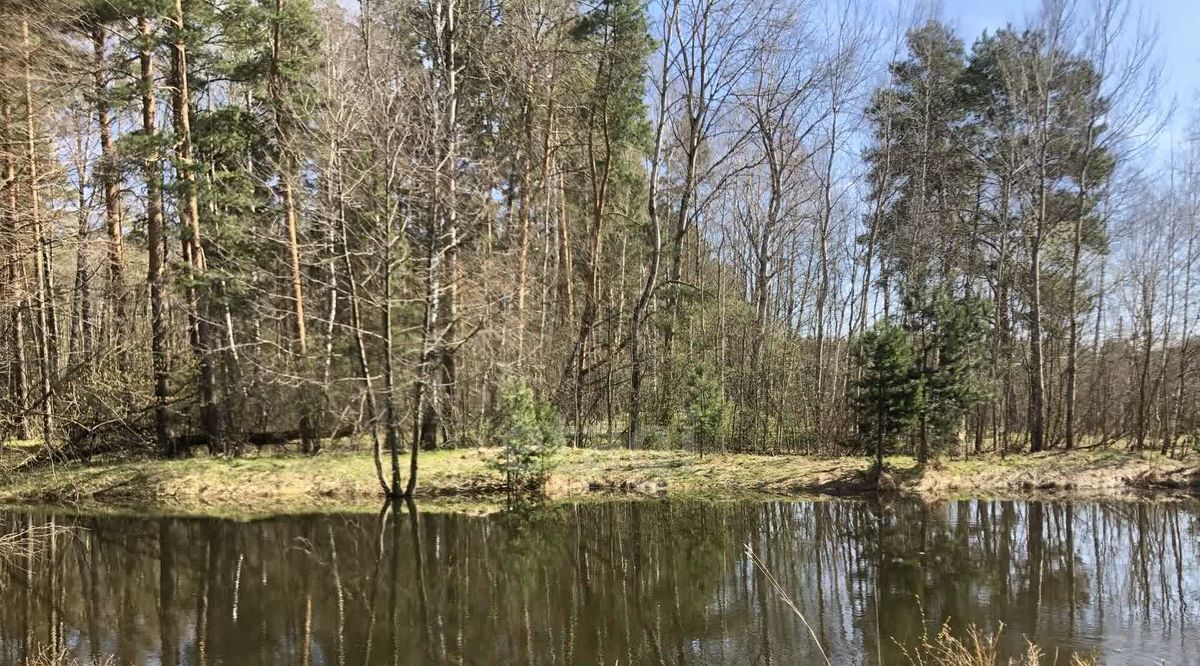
(460, 480)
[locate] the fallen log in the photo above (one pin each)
(85, 444)
(258, 439)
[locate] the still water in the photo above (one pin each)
(617, 583)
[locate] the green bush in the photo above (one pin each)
(529, 433)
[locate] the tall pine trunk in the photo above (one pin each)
(189, 210)
(287, 176)
(152, 171)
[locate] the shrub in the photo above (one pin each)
(529, 433)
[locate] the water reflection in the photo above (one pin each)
(626, 583)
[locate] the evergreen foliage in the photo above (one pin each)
(950, 339)
(529, 433)
(705, 411)
(888, 392)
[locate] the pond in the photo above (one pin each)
(649, 582)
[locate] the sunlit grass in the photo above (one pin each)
(345, 480)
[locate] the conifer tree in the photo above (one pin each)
(950, 337)
(888, 388)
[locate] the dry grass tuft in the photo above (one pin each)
(48, 657)
(977, 649)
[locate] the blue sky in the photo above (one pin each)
(1177, 23)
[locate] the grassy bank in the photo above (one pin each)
(461, 479)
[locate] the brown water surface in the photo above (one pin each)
(611, 583)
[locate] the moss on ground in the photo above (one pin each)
(460, 480)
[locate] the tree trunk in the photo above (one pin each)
(1073, 291)
(15, 277)
(643, 302)
(152, 170)
(112, 200)
(210, 419)
(391, 410)
(425, 397)
(1172, 433)
(81, 326)
(599, 176)
(44, 333)
(1037, 379)
(524, 204)
(287, 176)
(360, 346)
(448, 345)
(823, 287)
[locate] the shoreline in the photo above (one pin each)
(461, 481)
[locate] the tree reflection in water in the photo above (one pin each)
(630, 583)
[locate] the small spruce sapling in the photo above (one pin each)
(529, 432)
(705, 411)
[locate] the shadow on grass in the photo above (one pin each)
(901, 477)
(869, 480)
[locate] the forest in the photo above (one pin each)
(820, 226)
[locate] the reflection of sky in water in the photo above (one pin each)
(651, 582)
(1115, 580)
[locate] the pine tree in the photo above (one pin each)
(705, 410)
(923, 171)
(888, 389)
(950, 335)
(615, 131)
